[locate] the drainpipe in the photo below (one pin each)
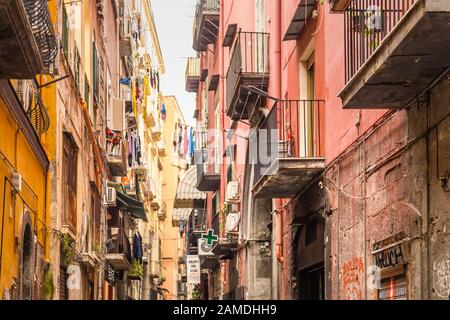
(275, 88)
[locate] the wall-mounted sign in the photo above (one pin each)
(390, 257)
(193, 269)
(210, 237)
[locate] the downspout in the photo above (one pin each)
(275, 74)
(222, 123)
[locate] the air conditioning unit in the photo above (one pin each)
(110, 196)
(232, 192)
(16, 181)
(232, 224)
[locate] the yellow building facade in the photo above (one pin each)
(172, 247)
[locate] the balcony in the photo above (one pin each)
(156, 131)
(192, 74)
(196, 226)
(116, 156)
(299, 20)
(161, 147)
(339, 5)
(29, 96)
(208, 175)
(125, 35)
(249, 68)
(206, 28)
(28, 44)
(119, 256)
(293, 137)
(393, 50)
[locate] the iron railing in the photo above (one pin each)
(121, 245)
(42, 27)
(250, 55)
(28, 94)
(192, 69)
(366, 24)
(207, 161)
(205, 7)
(293, 129)
(197, 220)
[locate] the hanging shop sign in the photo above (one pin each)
(193, 269)
(210, 237)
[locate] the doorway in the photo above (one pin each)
(26, 288)
(312, 284)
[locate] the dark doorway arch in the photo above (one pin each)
(26, 272)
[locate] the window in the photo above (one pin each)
(307, 117)
(393, 288)
(69, 180)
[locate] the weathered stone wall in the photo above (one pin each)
(392, 182)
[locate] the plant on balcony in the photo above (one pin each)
(162, 279)
(68, 249)
(223, 217)
(48, 286)
(136, 269)
(196, 293)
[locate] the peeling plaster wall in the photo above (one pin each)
(389, 182)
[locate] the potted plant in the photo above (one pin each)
(136, 270)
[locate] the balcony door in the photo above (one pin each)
(259, 37)
(306, 107)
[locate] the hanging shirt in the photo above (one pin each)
(191, 142)
(186, 141)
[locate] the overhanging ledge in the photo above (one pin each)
(286, 177)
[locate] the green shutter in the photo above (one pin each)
(95, 71)
(87, 91)
(65, 32)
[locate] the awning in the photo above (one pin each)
(131, 205)
(187, 189)
(181, 214)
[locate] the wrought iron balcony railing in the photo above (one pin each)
(367, 24)
(293, 138)
(28, 94)
(249, 66)
(206, 28)
(192, 74)
(41, 24)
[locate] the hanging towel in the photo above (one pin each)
(191, 142)
(147, 85)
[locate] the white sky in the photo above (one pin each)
(174, 20)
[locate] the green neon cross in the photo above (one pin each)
(210, 237)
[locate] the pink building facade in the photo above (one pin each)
(356, 172)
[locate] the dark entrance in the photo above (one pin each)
(27, 264)
(311, 283)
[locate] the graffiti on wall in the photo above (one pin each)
(353, 272)
(441, 276)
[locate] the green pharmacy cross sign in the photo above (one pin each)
(210, 237)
